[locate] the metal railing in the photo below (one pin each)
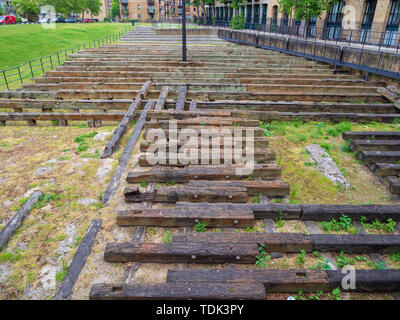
(13, 78)
(362, 36)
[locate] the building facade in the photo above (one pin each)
(370, 21)
(154, 9)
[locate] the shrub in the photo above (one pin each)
(237, 22)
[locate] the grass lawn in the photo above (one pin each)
(20, 43)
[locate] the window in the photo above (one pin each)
(392, 24)
(367, 20)
(138, 6)
(334, 21)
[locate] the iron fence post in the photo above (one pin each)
(19, 72)
(30, 66)
(5, 80)
(41, 63)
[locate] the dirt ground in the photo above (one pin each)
(35, 260)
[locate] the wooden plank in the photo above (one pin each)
(192, 252)
(198, 129)
(375, 145)
(123, 161)
(174, 194)
(368, 280)
(212, 159)
(78, 262)
(199, 143)
(180, 101)
(261, 211)
(160, 104)
(356, 243)
(386, 169)
(193, 105)
(265, 187)
(274, 280)
(173, 291)
(276, 242)
(223, 121)
(12, 116)
(371, 135)
(185, 218)
(380, 156)
(121, 129)
(393, 183)
(16, 221)
(371, 212)
(182, 175)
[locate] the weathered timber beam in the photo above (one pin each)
(380, 156)
(326, 212)
(371, 135)
(16, 221)
(253, 187)
(181, 252)
(78, 262)
(180, 101)
(375, 145)
(274, 280)
(123, 161)
(160, 104)
(181, 175)
(274, 242)
(185, 193)
(174, 291)
(126, 120)
(386, 169)
(185, 217)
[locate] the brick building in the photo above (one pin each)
(153, 9)
(375, 20)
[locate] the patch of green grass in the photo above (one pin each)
(11, 256)
(256, 198)
(262, 258)
(31, 41)
(61, 274)
(301, 259)
(395, 256)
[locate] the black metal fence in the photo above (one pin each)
(13, 78)
(361, 34)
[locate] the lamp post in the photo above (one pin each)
(183, 30)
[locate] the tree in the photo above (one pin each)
(27, 8)
(304, 9)
(93, 5)
(115, 10)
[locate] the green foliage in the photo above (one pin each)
(27, 8)
(301, 258)
(344, 223)
(304, 9)
(326, 146)
(389, 226)
(115, 9)
(321, 264)
(346, 146)
(200, 226)
(395, 256)
(46, 198)
(61, 274)
(144, 184)
(279, 222)
(342, 260)
(11, 256)
(300, 296)
(335, 295)
(237, 22)
(167, 237)
(262, 258)
(256, 198)
(83, 144)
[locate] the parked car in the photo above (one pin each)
(24, 20)
(94, 20)
(60, 20)
(7, 20)
(87, 20)
(44, 20)
(70, 20)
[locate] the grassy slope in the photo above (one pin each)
(20, 43)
